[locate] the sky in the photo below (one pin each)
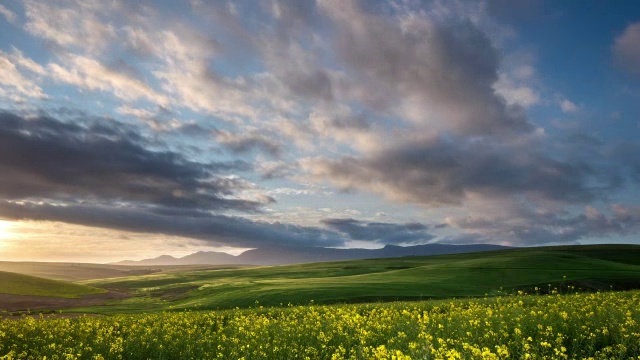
(131, 129)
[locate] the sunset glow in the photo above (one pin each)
(5, 231)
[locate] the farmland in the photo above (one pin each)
(411, 278)
(552, 326)
(536, 303)
(19, 284)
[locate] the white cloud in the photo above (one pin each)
(26, 63)
(8, 14)
(291, 191)
(137, 112)
(524, 72)
(568, 106)
(514, 93)
(626, 48)
(13, 83)
(90, 74)
(76, 25)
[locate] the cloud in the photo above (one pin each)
(90, 74)
(437, 75)
(161, 120)
(14, 83)
(72, 24)
(515, 92)
(105, 174)
(626, 48)
(525, 226)
(136, 112)
(380, 232)
(439, 171)
(276, 169)
(178, 57)
(8, 14)
(244, 142)
(186, 74)
(106, 162)
(567, 106)
(26, 63)
(214, 229)
(420, 102)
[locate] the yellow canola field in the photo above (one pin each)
(578, 326)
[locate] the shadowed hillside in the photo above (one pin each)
(19, 284)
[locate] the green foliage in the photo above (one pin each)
(589, 268)
(18, 284)
(553, 326)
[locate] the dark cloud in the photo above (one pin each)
(44, 158)
(356, 122)
(437, 73)
(104, 174)
(444, 172)
(314, 83)
(524, 226)
(277, 170)
(214, 229)
(291, 15)
(245, 142)
(380, 232)
(291, 59)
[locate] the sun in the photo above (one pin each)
(5, 230)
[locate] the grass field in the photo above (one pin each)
(19, 284)
(83, 271)
(412, 278)
(492, 317)
(582, 326)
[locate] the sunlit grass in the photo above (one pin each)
(410, 278)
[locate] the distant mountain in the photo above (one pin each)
(160, 260)
(298, 255)
(209, 257)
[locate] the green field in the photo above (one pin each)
(19, 284)
(536, 303)
(538, 270)
(84, 271)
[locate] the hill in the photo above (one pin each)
(300, 255)
(84, 271)
(19, 284)
(409, 278)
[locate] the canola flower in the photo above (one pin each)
(555, 326)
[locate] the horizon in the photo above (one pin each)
(131, 130)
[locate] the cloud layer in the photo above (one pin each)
(209, 120)
(103, 161)
(386, 233)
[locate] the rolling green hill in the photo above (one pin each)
(84, 271)
(19, 284)
(462, 275)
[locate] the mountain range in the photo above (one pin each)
(298, 255)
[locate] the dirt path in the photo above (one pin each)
(11, 303)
